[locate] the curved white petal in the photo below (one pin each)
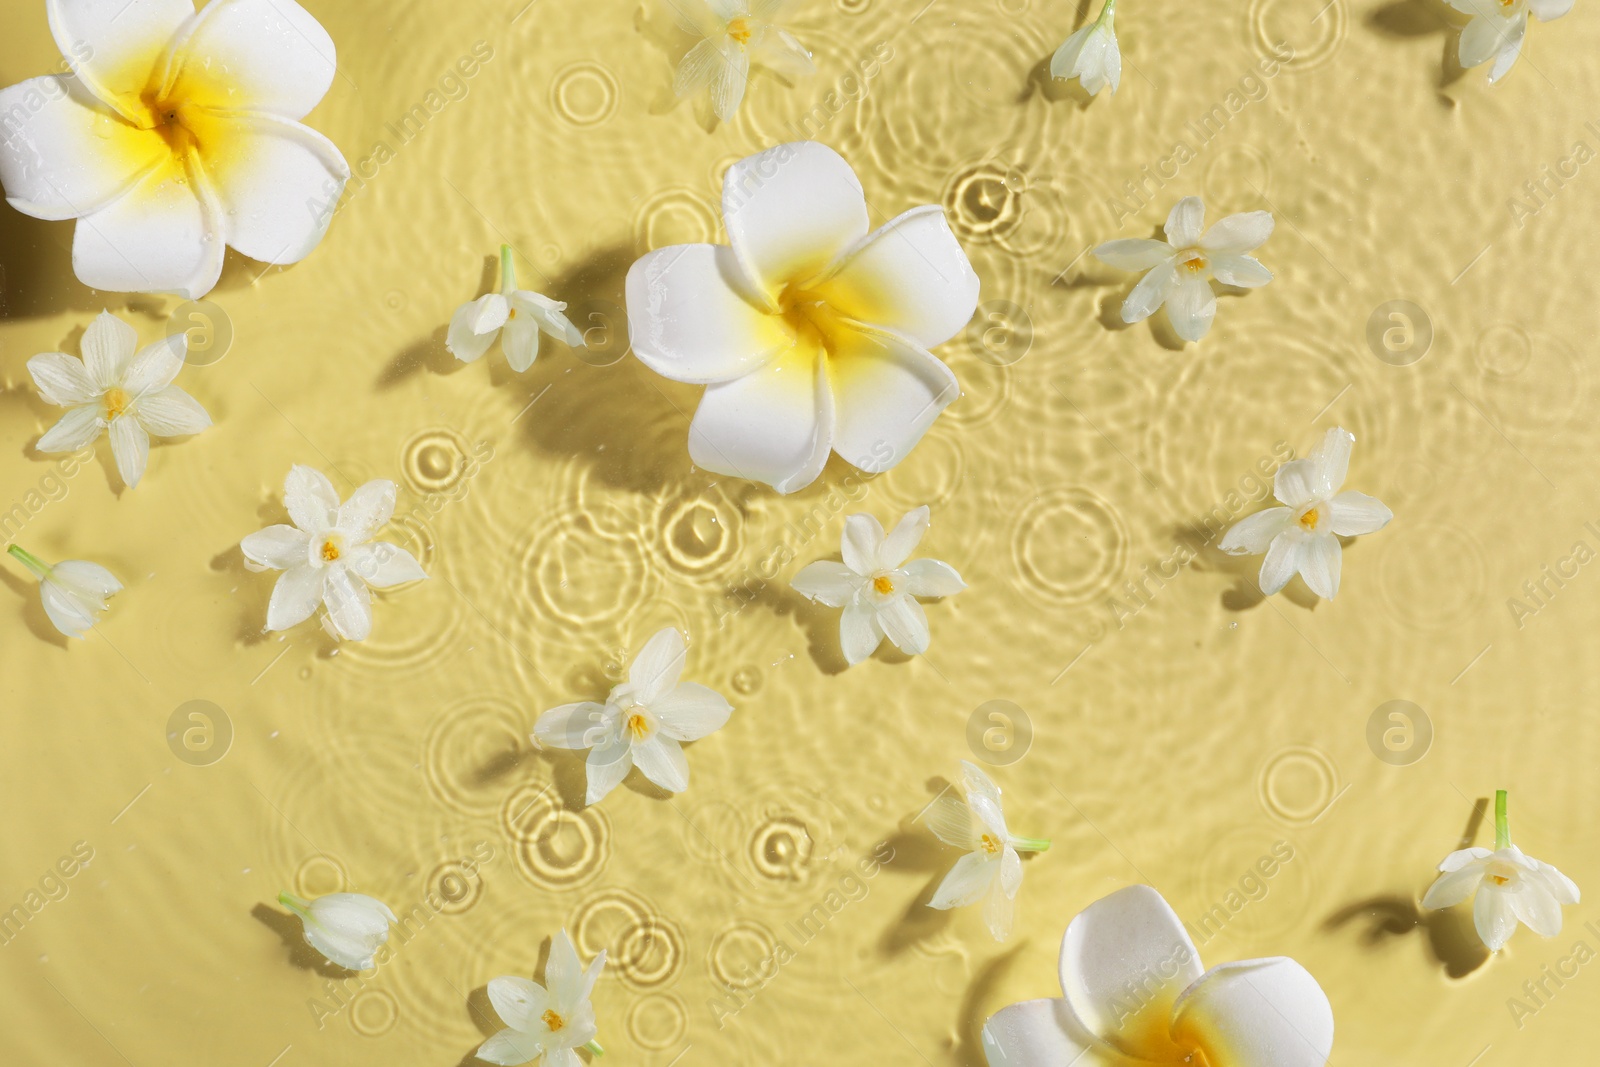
(171, 412)
(859, 632)
(108, 344)
(1151, 292)
(1251, 535)
(1297, 483)
(1042, 1032)
(295, 596)
(1331, 460)
(888, 391)
(348, 952)
(775, 425)
(1320, 562)
(73, 431)
(1465, 857)
(1545, 10)
(999, 910)
(475, 325)
(87, 580)
(781, 52)
(907, 534)
(1564, 889)
(1246, 272)
(1238, 234)
(657, 667)
(661, 760)
(967, 881)
(549, 314)
(1452, 887)
(130, 447)
(273, 177)
(697, 67)
(861, 543)
(273, 55)
(575, 726)
(827, 582)
(984, 798)
(349, 603)
(520, 341)
(1257, 1013)
(1282, 561)
(518, 1001)
(1351, 514)
(931, 577)
(607, 766)
(1064, 63)
(1510, 49)
(951, 821)
(366, 512)
(510, 1047)
(729, 79)
(1484, 38)
(905, 623)
(1191, 307)
(1186, 222)
(691, 711)
(563, 971)
(163, 235)
(311, 500)
(156, 365)
(115, 45)
(65, 613)
(1537, 908)
(277, 547)
(1133, 253)
(1493, 916)
(791, 211)
(62, 379)
(383, 566)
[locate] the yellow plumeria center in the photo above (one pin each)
(117, 401)
(167, 117)
(882, 584)
(1309, 519)
(552, 1020)
(989, 843)
(741, 30)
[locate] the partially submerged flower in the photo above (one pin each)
(735, 35)
(1303, 535)
(1498, 27)
(520, 313)
(111, 387)
(348, 928)
(991, 871)
(877, 588)
(810, 334)
(551, 1021)
(1179, 270)
(642, 723)
(176, 135)
(1135, 996)
(1091, 54)
(328, 556)
(74, 592)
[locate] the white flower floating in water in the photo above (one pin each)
(1135, 996)
(74, 592)
(1091, 54)
(328, 556)
(877, 587)
(1180, 269)
(642, 723)
(1498, 27)
(991, 871)
(1303, 535)
(810, 333)
(112, 387)
(1510, 886)
(176, 135)
(348, 928)
(520, 313)
(733, 36)
(553, 1020)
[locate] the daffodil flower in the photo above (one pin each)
(328, 556)
(877, 587)
(1091, 54)
(111, 387)
(74, 592)
(348, 928)
(1510, 887)
(176, 135)
(547, 1022)
(642, 723)
(735, 35)
(991, 871)
(1179, 270)
(1498, 27)
(811, 334)
(1303, 535)
(1136, 996)
(522, 314)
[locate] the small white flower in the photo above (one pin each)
(551, 1021)
(348, 928)
(1498, 27)
(521, 313)
(1091, 54)
(991, 871)
(734, 35)
(1180, 268)
(74, 592)
(112, 387)
(1303, 535)
(328, 556)
(642, 723)
(1135, 995)
(877, 587)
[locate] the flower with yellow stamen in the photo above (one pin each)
(546, 1023)
(733, 36)
(991, 870)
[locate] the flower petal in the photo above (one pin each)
(729, 79)
(1545, 10)
(1297, 483)
(1133, 253)
(691, 711)
(171, 412)
(73, 431)
(775, 425)
(967, 881)
(951, 821)
(277, 547)
(575, 726)
(697, 67)
(781, 52)
(888, 392)
(295, 597)
(163, 235)
(518, 1001)
(1246, 272)
(1320, 561)
(1191, 307)
(1351, 514)
(1564, 889)
(1064, 63)
(510, 1047)
(983, 796)
(827, 582)
(904, 622)
(661, 760)
(520, 342)
(367, 510)
(1257, 1013)
(1253, 534)
(1331, 460)
(383, 565)
(1238, 234)
(275, 56)
(999, 908)
(1283, 560)
(1151, 292)
(130, 447)
(349, 604)
(86, 580)
(549, 314)
(861, 544)
(607, 766)
(66, 613)
(1467, 856)
(931, 577)
(156, 365)
(1186, 222)
(655, 670)
(859, 632)
(311, 499)
(563, 971)
(279, 182)
(1453, 887)
(114, 45)
(1041, 1033)
(904, 538)
(1493, 916)
(1485, 37)
(107, 346)
(1537, 908)
(790, 212)
(62, 379)
(475, 325)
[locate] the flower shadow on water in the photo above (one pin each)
(33, 613)
(1410, 19)
(300, 954)
(1245, 593)
(979, 993)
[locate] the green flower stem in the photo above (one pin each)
(40, 569)
(299, 905)
(1502, 825)
(1029, 844)
(508, 273)
(1108, 13)
(594, 1047)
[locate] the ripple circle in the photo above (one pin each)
(1069, 516)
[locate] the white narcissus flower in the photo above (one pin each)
(328, 556)
(810, 333)
(74, 592)
(348, 928)
(642, 723)
(1180, 269)
(1498, 27)
(1135, 996)
(522, 314)
(550, 1021)
(1303, 535)
(991, 871)
(176, 136)
(1091, 54)
(877, 588)
(735, 35)
(112, 387)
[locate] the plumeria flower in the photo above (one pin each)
(547, 1022)
(74, 592)
(348, 928)
(112, 387)
(1303, 535)
(991, 871)
(176, 136)
(1180, 269)
(520, 313)
(1135, 996)
(1510, 887)
(642, 723)
(735, 35)
(1498, 27)
(877, 587)
(328, 556)
(810, 333)
(1091, 54)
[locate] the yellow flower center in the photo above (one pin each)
(989, 843)
(741, 30)
(552, 1020)
(1499, 879)
(1308, 521)
(882, 584)
(117, 401)
(330, 550)
(1194, 263)
(638, 726)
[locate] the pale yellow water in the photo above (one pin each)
(1177, 736)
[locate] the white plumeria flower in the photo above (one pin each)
(328, 556)
(348, 928)
(810, 333)
(1180, 268)
(547, 1022)
(74, 592)
(521, 313)
(734, 36)
(642, 723)
(1091, 54)
(1498, 27)
(877, 587)
(176, 136)
(991, 871)
(1135, 995)
(1303, 535)
(1510, 886)
(112, 387)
